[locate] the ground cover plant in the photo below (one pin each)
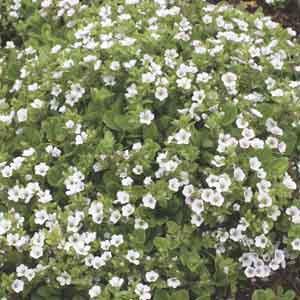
(149, 150)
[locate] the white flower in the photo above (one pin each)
(174, 184)
(161, 93)
(97, 65)
(28, 152)
(151, 276)
(140, 224)
(131, 91)
(272, 142)
(53, 151)
(20, 270)
(41, 216)
(115, 216)
(36, 252)
(250, 272)
(22, 115)
(197, 206)
(138, 169)
(30, 274)
(146, 117)
(131, 2)
(37, 103)
(7, 171)
(74, 183)
(261, 241)
(127, 181)
(188, 190)
(264, 200)
(70, 124)
(116, 281)
(149, 201)
(18, 285)
(282, 147)
(98, 262)
(255, 164)
(148, 77)
(173, 282)
(5, 225)
(217, 199)
(239, 174)
(289, 182)
(212, 180)
(296, 244)
(117, 240)
(44, 196)
(184, 83)
(127, 210)
(143, 291)
(197, 220)
(223, 183)
(64, 279)
(94, 291)
(257, 143)
(122, 197)
(41, 169)
(56, 48)
(115, 65)
(33, 87)
(294, 212)
(96, 211)
(182, 137)
(229, 79)
(133, 257)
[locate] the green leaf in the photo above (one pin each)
(230, 113)
(279, 166)
(31, 135)
(138, 237)
(290, 138)
(181, 295)
(45, 292)
(190, 259)
(162, 244)
(289, 295)
(46, 31)
(150, 132)
(54, 129)
(266, 294)
(35, 297)
(173, 228)
(106, 145)
(109, 120)
(54, 176)
(99, 95)
(161, 295)
(78, 297)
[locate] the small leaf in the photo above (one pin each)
(99, 95)
(162, 244)
(161, 295)
(279, 166)
(109, 120)
(181, 295)
(289, 295)
(54, 176)
(230, 111)
(266, 294)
